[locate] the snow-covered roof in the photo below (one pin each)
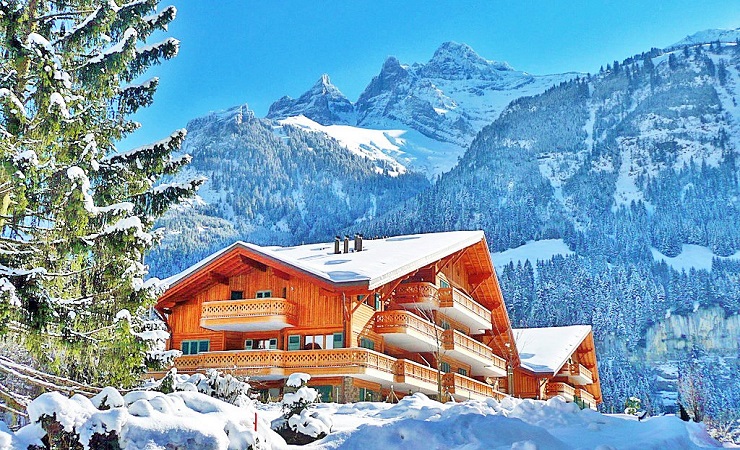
(379, 262)
(545, 350)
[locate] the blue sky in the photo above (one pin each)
(255, 51)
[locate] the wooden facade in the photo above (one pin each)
(436, 323)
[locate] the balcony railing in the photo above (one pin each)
(462, 387)
(576, 373)
(586, 397)
(422, 295)
(256, 314)
(280, 362)
(407, 331)
(563, 389)
(416, 376)
(462, 307)
(478, 355)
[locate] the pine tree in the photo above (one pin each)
(80, 219)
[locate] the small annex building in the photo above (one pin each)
(557, 361)
(368, 319)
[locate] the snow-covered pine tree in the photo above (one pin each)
(80, 213)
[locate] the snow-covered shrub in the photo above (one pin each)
(299, 424)
(138, 420)
(632, 406)
(224, 387)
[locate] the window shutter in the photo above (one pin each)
(203, 346)
(338, 340)
(294, 342)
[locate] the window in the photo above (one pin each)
(367, 343)
(261, 344)
(294, 342)
(237, 295)
(338, 340)
(463, 372)
(194, 347)
(263, 294)
(445, 325)
(444, 367)
(443, 283)
(315, 342)
(378, 304)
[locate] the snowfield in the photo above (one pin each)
(533, 251)
(691, 257)
(152, 421)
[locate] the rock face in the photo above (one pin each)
(447, 101)
(708, 328)
(323, 103)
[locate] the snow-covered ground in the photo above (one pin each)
(152, 421)
(691, 257)
(533, 251)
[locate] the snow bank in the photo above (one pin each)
(148, 420)
(418, 422)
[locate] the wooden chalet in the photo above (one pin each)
(557, 361)
(362, 317)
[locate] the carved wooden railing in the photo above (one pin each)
(586, 396)
(410, 369)
(250, 359)
(344, 357)
(462, 385)
(420, 292)
(559, 388)
(576, 370)
(252, 307)
(454, 298)
(397, 321)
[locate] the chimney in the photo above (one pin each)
(336, 245)
(346, 244)
(358, 242)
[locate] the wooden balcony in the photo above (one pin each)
(408, 331)
(586, 397)
(274, 364)
(563, 389)
(461, 307)
(414, 377)
(464, 388)
(422, 295)
(480, 357)
(256, 314)
(576, 374)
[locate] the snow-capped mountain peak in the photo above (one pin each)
(323, 103)
(706, 37)
(454, 61)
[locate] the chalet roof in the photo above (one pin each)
(545, 350)
(379, 262)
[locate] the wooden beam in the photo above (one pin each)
(254, 263)
(280, 274)
(219, 277)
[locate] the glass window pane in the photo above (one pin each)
(204, 345)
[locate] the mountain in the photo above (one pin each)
(707, 37)
(634, 169)
(324, 103)
(271, 184)
(433, 111)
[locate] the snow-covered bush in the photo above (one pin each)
(632, 406)
(299, 424)
(224, 387)
(140, 419)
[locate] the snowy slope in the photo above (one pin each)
(193, 420)
(533, 251)
(707, 36)
(692, 257)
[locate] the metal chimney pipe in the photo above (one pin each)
(358, 242)
(336, 245)
(346, 244)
